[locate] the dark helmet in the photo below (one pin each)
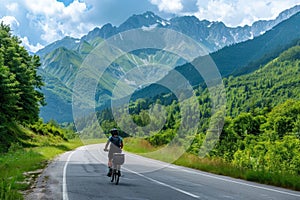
(114, 131)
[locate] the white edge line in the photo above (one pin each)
(191, 170)
(65, 191)
(164, 184)
(237, 182)
(161, 183)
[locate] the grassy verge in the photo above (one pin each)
(138, 145)
(20, 166)
(216, 166)
(221, 167)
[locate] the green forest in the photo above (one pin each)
(26, 142)
(20, 99)
(261, 130)
(20, 95)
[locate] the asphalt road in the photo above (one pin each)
(81, 175)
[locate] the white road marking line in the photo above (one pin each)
(203, 174)
(158, 182)
(65, 191)
(241, 183)
(172, 166)
(161, 183)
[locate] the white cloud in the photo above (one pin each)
(39, 23)
(30, 47)
(57, 20)
(278, 6)
(231, 12)
(242, 12)
(171, 6)
(45, 7)
(215, 10)
(10, 20)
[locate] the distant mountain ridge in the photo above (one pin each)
(215, 35)
(241, 58)
(61, 59)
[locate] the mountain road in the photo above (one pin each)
(81, 175)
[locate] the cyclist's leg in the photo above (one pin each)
(110, 156)
(109, 164)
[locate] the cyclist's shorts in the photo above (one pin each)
(111, 153)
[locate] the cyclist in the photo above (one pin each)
(116, 145)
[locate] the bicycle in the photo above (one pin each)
(117, 161)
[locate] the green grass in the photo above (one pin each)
(278, 179)
(15, 164)
(93, 141)
(144, 148)
(18, 160)
(138, 145)
(12, 166)
(216, 166)
(213, 165)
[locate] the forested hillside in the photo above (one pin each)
(26, 142)
(20, 95)
(20, 99)
(261, 130)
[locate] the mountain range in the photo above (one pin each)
(235, 50)
(237, 59)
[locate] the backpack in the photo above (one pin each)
(115, 140)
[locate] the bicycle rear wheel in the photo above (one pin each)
(117, 174)
(113, 175)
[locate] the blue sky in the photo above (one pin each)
(40, 22)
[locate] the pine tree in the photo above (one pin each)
(20, 79)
